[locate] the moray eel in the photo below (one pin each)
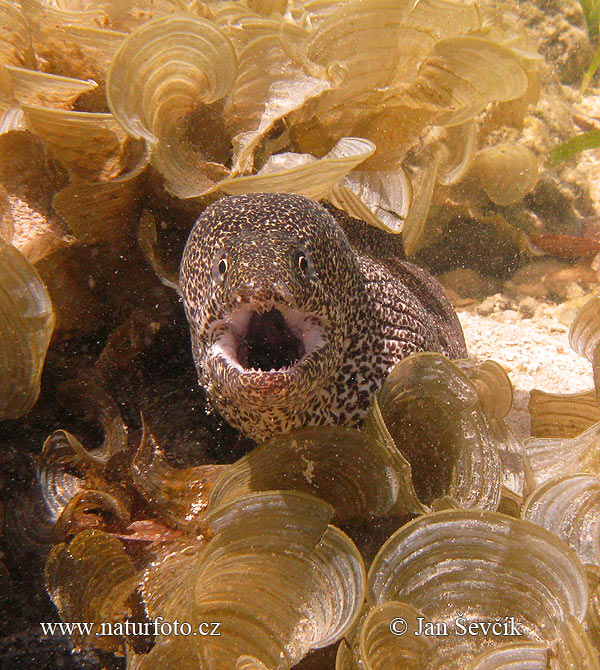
(298, 312)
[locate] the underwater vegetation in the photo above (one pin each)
(119, 122)
(590, 139)
(257, 545)
(230, 98)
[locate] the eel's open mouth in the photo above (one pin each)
(273, 340)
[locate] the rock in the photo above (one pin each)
(468, 283)
(560, 32)
(537, 271)
(527, 307)
(537, 290)
(571, 282)
(492, 304)
(549, 278)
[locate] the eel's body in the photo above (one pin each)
(297, 316)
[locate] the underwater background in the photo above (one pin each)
(471, 491)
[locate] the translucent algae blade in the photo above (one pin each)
(163, 77)
(26, 325)
(279, 579)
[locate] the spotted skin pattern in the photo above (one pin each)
(373, 309)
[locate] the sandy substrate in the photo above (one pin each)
(535, 352)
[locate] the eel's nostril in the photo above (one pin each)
(262, 293)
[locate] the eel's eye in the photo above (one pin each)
(220, 265)
(303, 261)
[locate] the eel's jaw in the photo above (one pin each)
(267, 345)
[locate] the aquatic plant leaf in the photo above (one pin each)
(574, 146)
(267, 7)
(91, 579)
(249, 663)
(591, 71)
(30, 513)
(507, 172)
(295, 173)
(423, 183)
(15, 37)
(517, 477)
(575, 648)
(242, 25)
(341, 577)
(363, 34)
(459, 145)
(569, 507)
(43, 16)
(381, 43)
(380, 649)
(11, 118)
(26, 325)
(591, 14)
(432, 413)
(174, 565)
(27, 176)
(97, 509)
(245, 28)
(526, 656)
(298, 560)
(231, 13)
(496, 395)
(493, 386)
(584, 337)
(269, 85)
(148, 239)
(98, 45)
(62, 449)
(376, 50)
(47, 90)
(562, 414)
(512, 565)
(58, 484)
(278, 577)
(315, 11)
(592, 622)
(75, 491)
(82, 51)
(584, 334)
(160, 88)
(551, 457)
(90, 146)
(178, 495)
(457, 78)
(395, 130)
(172, 652)
(355, 474)
(127, 15)
(364, 47)
(105, 211)
(382, 199)
(92, 403)
(446, 19)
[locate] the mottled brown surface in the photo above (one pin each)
(371, 306)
